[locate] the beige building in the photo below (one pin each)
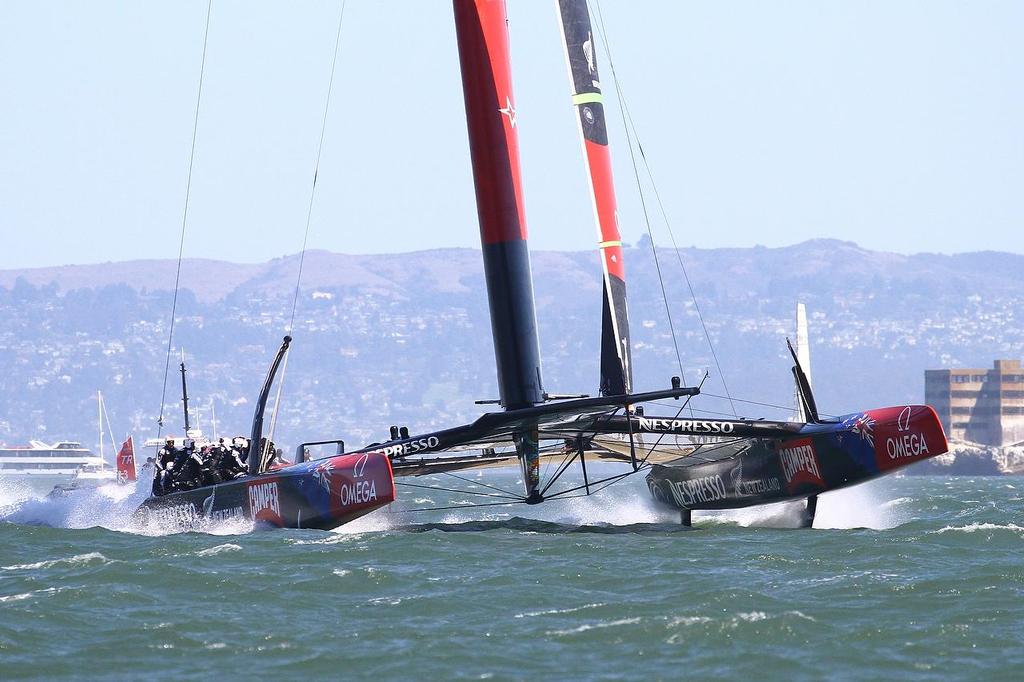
(979, 405)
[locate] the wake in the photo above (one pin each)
(872, 504)
(111, 506)
(626, 508)
(629, 508)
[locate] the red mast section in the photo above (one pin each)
(491, 118)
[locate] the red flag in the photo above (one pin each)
(126, 462)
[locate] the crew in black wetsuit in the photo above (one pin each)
(186, 467)
(165, 457)
(240, 450)
(208, 474)
(229, 461)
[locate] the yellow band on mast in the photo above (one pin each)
(587, 98)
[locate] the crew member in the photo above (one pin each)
(165, 456)
(208, 469)
(230, 464)
(186, 467)
(240, 445)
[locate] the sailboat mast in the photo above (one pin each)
(581, 58)
(481, 28)
(109, 432)
(99, 420)
(482, 36)
(184, 394)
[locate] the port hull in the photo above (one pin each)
(322, 494)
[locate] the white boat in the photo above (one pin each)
(44, 466)
(64, 465)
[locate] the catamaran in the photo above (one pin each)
(733, 463)
(730, 463)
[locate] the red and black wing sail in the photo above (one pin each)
(481, 32)
(581, 56)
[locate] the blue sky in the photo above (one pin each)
(893, 124)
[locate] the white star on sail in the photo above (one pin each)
(509, 111)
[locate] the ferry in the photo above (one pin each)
(44, 466)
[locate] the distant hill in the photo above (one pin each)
(405, 338)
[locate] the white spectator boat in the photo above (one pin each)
(44, 466)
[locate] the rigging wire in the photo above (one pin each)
(567, 460)
(480, 483)
(638, 467)
(686, 275)
(316, 165)
(184, 221)
(309, 214)
(630, 125)
(571, 456)
(643, 200)
(785, 408)
(460, 506)
(458, 491)
(642, 464)
(593, 484)
(754, 402)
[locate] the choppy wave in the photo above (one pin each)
(594, 626)
(609, 586)
(91, 557)
(976, 527)
(22, 596)
(531, 525)
(559, 612)
(219, 549)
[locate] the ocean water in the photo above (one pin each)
(915, 578)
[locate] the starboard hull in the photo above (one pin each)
(321, 494)
(820, 458)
